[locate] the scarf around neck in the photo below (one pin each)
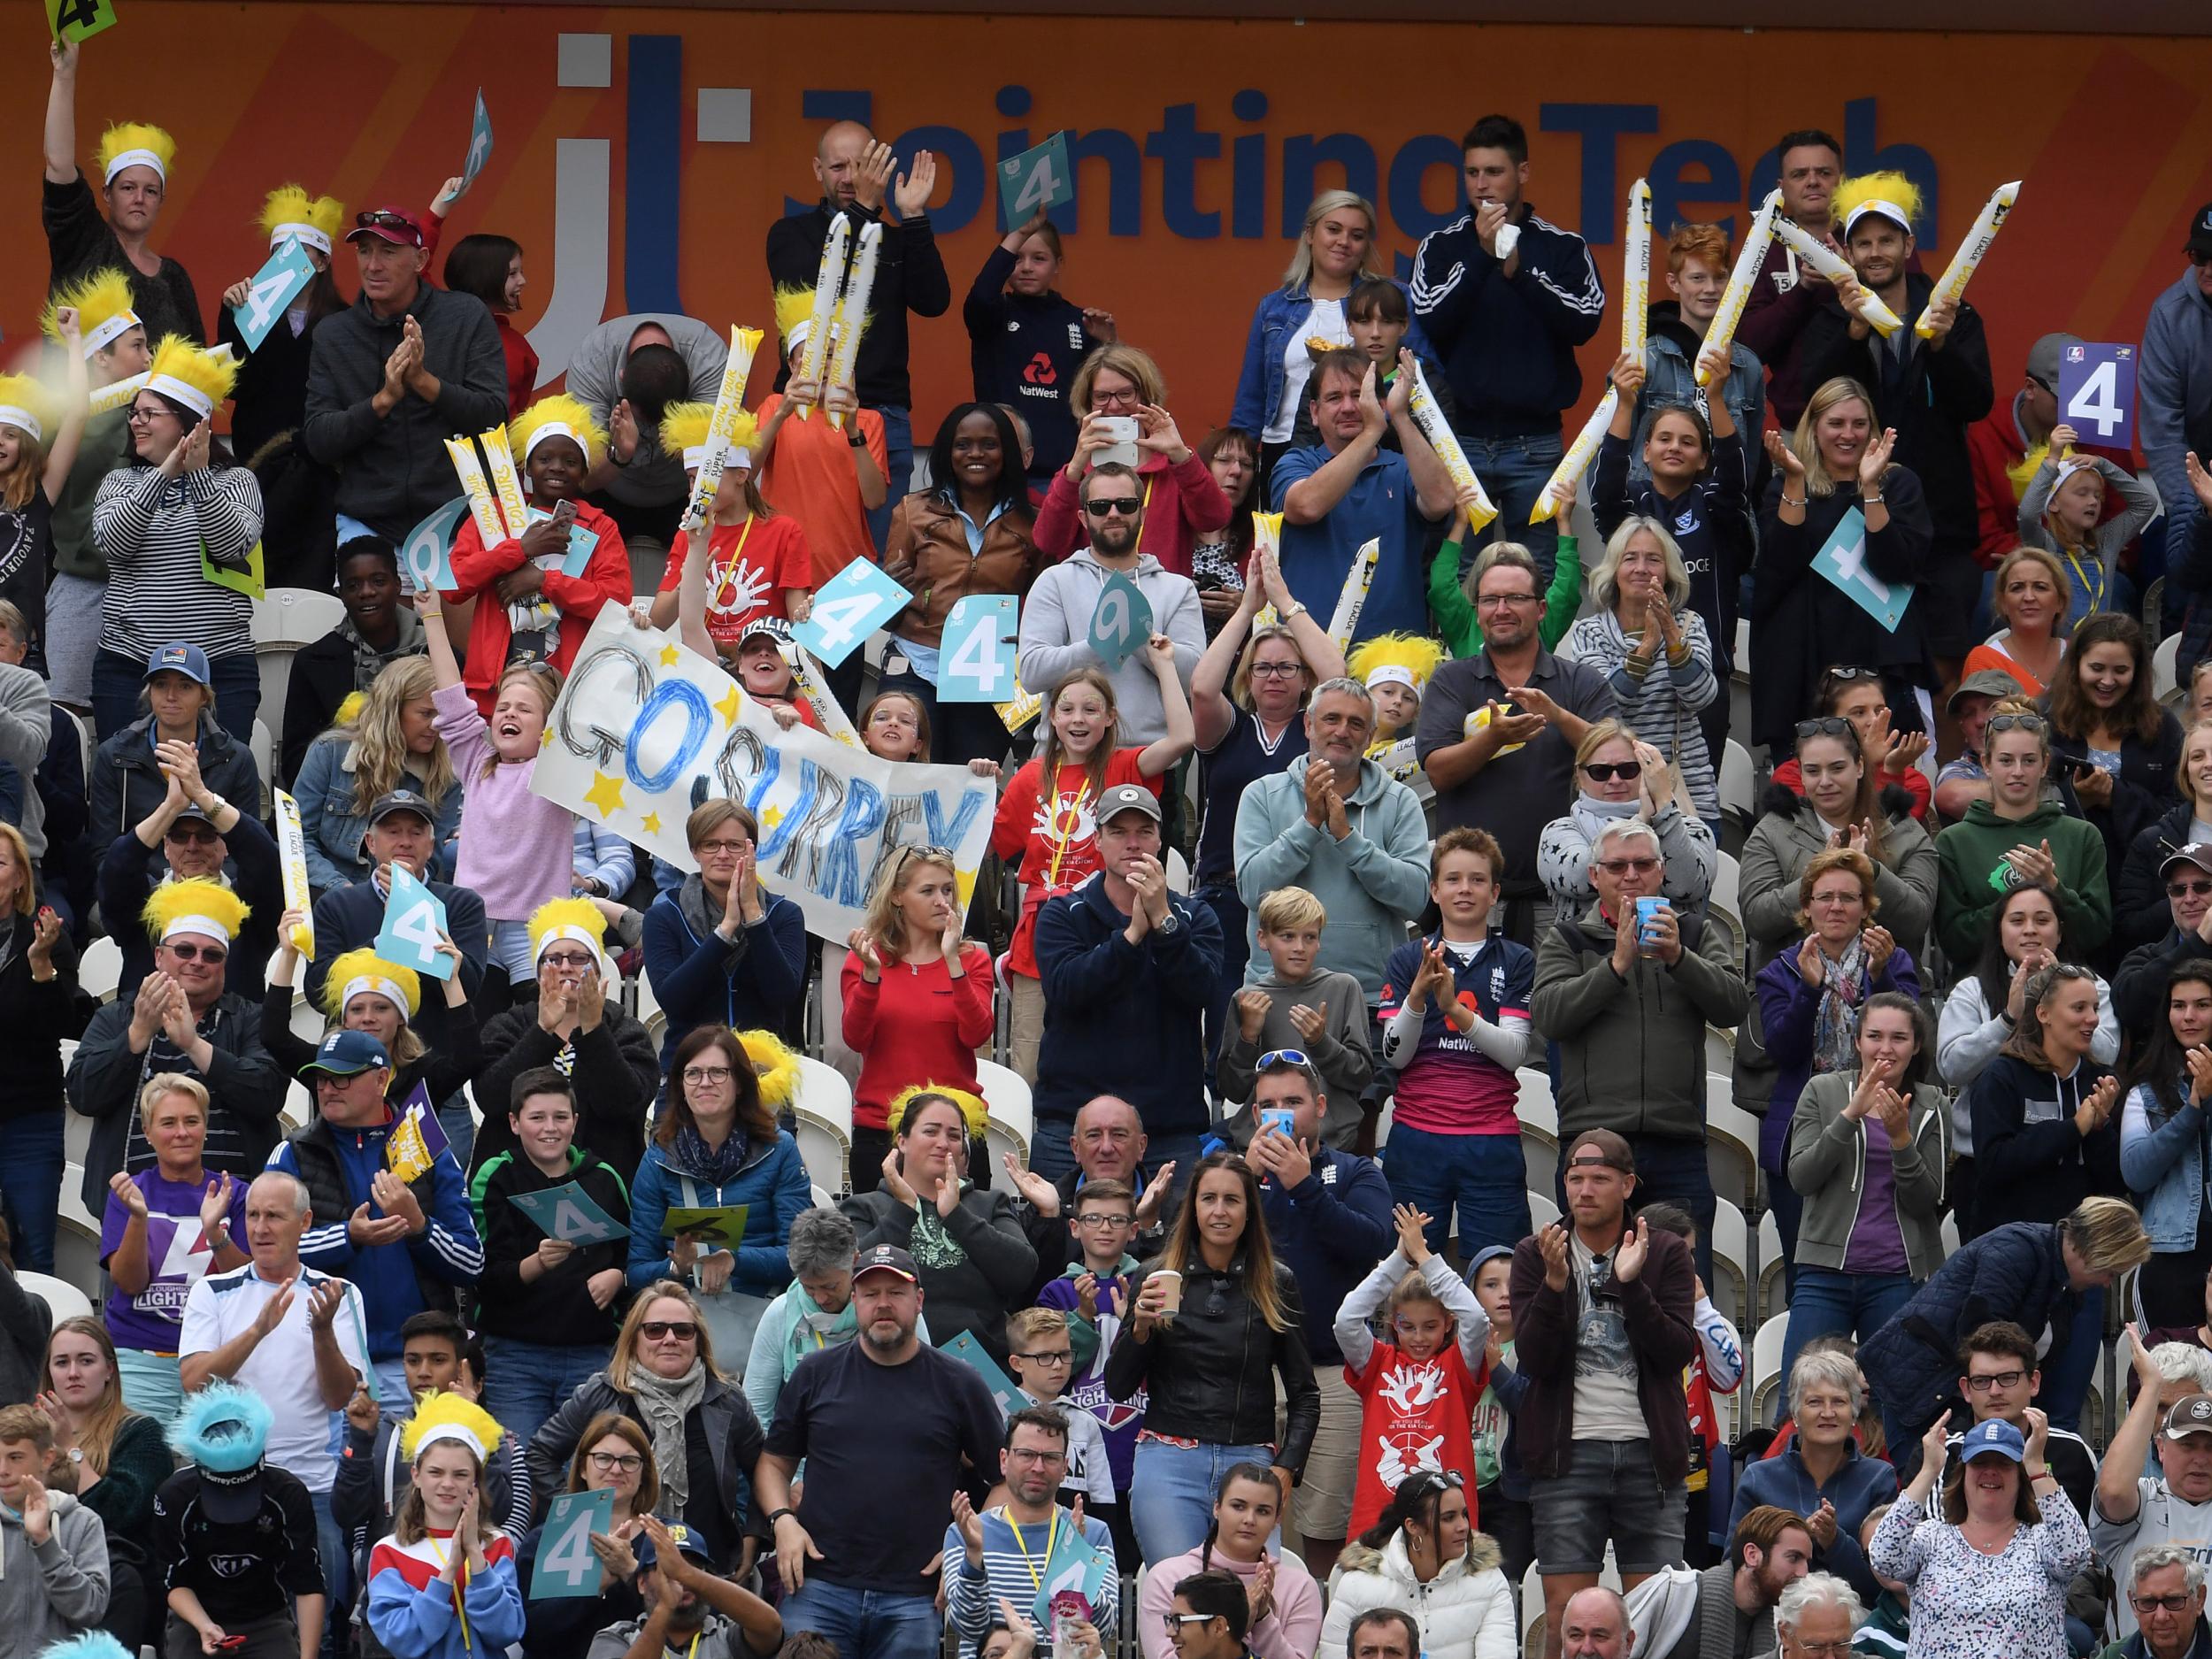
(719, 1164)
(1843, 988)
(665, 1403)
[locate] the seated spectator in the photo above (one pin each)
(1041, 1354)
(2112, 743)
(151, 1269)
(2065, 509)
(38, 988)
(605, 865)
(490, 267)
(721, 948)
(378, 630)
(1284, 1601)
(548, 1307)
(917, 997)
(2035, 1274)
(117, 1456)
(566, 1019)
(2165, 1586)
(612, 1455)
(1861, 1125)
(1179, 499)
(663, 1377)
(979, 1570)
(1378, 318)
(2017, 836)
(1288, 1010)
(421, 1597)
(55, 1546)
(2029, 597)
(129, 777)
(1109, 1145)
(1821, 1475)
(1456, 1088)
(1121, 955)
(716, 1147)
(692, 1608)
(1424, 1552)
(2161, 1148)
(391, 745)
(2144, 909)
(1594, 1625)
(1818, 1613)
(1809, 1004)
(1619, 776)
(1206, 1407)
(1770, 1550)
(1964, 779)
(976, 1263)
(1627, 997)
(1892, 758)
(2002, 1377)
(398, 1224)
(178, 1019)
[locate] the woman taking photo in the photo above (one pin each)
(443, 1584)
(178, 508)
(1023, 338)
(1836, 462)
(721, 949)
(1284, 1601)
(705, 1440)
(977, 1264)
(2162, 1149)
(614, 1456)
(38, 987)
(1989, 1577)
(970, 533)
(916, 996)
(716, 1147)
(119, 1459)
(1822, 1474)
(391, 743)
(1869, 1142)
(1425, 1556)
(1619, 776)
(1181, 501)
(1214, 1324)
(151, 1269)
(2029, 597)
(2110, 740)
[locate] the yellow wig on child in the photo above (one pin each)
(103, 303)
(971, 1108)
(559, 416)
(134, 145)
(449, 1417)
(1403, 659)
(362, 969)
(1892, 194)
(28, 407)
(794, 316)
(312, 221)
(198, 906)
(684, 428)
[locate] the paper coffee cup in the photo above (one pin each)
(1173, 1302)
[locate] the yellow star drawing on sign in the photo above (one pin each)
(670, 656)
(771, 817)
(729, 706)
(605, 794)
(651, 823)
(545, 738)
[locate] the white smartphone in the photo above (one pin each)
(1123, 429)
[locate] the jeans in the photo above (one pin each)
(31, 1165)
(525, 1383)
(152, 1384)
(1484, 1175)
(511, 948)
(2066, 1382)
(117, 680)
(1788, 1210)
(898, 449)
(1515, 471)
(337, 1554)
(1609, 1491)
(958, 731)
(866, 1623)
(1827, 1303)
(1666, 1169)
(1172, 1491)
(72, 636)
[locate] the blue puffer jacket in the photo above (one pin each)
(2161, 1159)
(772, 1183)
(333, 828)
(2014, 1272)
(1261, 380)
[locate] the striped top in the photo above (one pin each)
(1658, 701)
(152, 531)
(1017, 1565)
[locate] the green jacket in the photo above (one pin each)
(1972, 851)
(1455, 611)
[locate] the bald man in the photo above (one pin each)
(1594, 1625)
(856, 176)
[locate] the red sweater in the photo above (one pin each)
(1181, 504)
(522, 363)
(578, 598)
(916, 1024)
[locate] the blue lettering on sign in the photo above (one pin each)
(787, 826)
(698, 721)
(943, 834)
(864, 816)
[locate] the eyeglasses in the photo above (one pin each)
(1996, 1379)
(1101, 399)
(140, 413)
(214, 955)
(610, 1463)
(1822, 1649)
(725, 847)
(1174, 1621)
(1504, 599)
(2175, 1603)
(1054, 1357)
(2187, 889)
(1606, 771)
(1277, 671)
(1623, 866)
(708, 1074)
(1825, 725)
(2017, 723)
(1105, 506)
(563, 959)
(659, 1330)
(1034, 1455)
(1105, 1219)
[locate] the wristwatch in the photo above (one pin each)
(858, 440)
(777, 1514)
(1167, 924)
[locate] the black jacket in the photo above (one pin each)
(2031, 1163)
(2141, 912)
(2138, 990)
(910, 277)
(38, 1016)
(555, 1310)
(322, 678)
(442, 1071)
(1024, 351)
(126, 786)
(347, 919)
(1053, 1241)
(1211, 1370)
(2140, 792)
(130, 871)
(615, 1071)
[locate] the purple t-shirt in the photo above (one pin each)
(175, 1252)
(1877, 1245)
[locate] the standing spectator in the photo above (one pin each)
(1283, 1600)
(2001, 444)
(1506, 297)
(1789, 292)
(392, 376)
(855, 173)
(1218, 561)
(722, 949)
(390, 752)
(2136, 1511)
(1121, 381)
(41, 437)
(38, 984)
(1027, 343)
(490, 267)
(53, 1550)
(2028, 595)
(1822, 1474)
(758, 565)
(2174, 384)
(134, 160)
(1296, 1004)
(2002, 1376)
(377, 630)
(2163, 1146)
(1627, 998)
(1499, 730)
(1618, 777)
(818, 1311)
(1698, 266)
(1423, 1551)
(1348, 490)
(2117, 748)
(1601, 1327)
(113, 345)
(629, 371)
(2065, 509)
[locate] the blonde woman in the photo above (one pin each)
(1837, 462)
(2144, 911)
(390, 742)
(1181, 504)
(2029, 597)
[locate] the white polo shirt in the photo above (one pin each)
(282, 1368)
(2162, 1518)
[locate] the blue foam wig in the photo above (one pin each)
(93, 1644)
(224, 1427)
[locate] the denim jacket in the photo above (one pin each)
(333, 828)
(1260, 382)
(2161, 1159)
(1670, 377)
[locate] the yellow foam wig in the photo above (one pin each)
(795, 310)
(383, 978)
(684, 432)
(104, 307)
(28, 407)
(1894, 190)
(290, 208)
(448, 1416)
(200, 380)
(559, 416)
(1417, 655)
(134, 145)
(199, 900)
(568, 919)
(775, 1066)
(971, 1108)
(349, 708)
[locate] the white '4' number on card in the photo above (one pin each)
(267, 296)
(573, 1223)
(2096, 403)
(414, 925)
(569, 1555)
(979, 658)
(839, 619)
(1040, 185)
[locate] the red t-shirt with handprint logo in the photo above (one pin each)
(1054, 835)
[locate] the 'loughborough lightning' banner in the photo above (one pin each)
(645, 731)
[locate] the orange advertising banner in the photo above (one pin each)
(640, 154)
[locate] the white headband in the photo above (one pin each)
(452, 1432)
(796, 338)
(23, 418)
(114, 328)
(1876, 204)
(695, 456)
(306, 233)
(191, 396)
(556, 429)
(379, 985)
(136, 158)
(2067, 468)
(1393, 674)
(205, 926)
(554, 935)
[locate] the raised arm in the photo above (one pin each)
(691, 599)
(61, 113)
(61, 450)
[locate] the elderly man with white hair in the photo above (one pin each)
(1817, 1617)
(1626, 990)
(2165, 1591)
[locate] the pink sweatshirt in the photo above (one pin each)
(1292, 1631)
(517, 850)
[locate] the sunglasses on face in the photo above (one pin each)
(2187, 889)
(563, 959)
(1606, 771)
(1106, 506)
(1623, 866)
(214, 955)
(197, 837)
(660, 1329)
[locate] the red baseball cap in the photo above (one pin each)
(389, 224)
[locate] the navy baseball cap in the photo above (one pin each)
(346, 1054)
(887, 1258)
(402, 801)
(179, 658)
(688, 1543)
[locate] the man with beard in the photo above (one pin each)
(1732, 1614)
(885, 1418)
(992, 1554)
(1788, 293)
(690, 1610)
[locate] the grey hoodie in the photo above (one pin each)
(1056, 633)
(653, 478)
(51, 1591)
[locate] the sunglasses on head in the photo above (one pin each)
(1849, 674)
(2017, 723)
(1283, 1056)
(1606, 771)
(1105, 506)
(1823, 725)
